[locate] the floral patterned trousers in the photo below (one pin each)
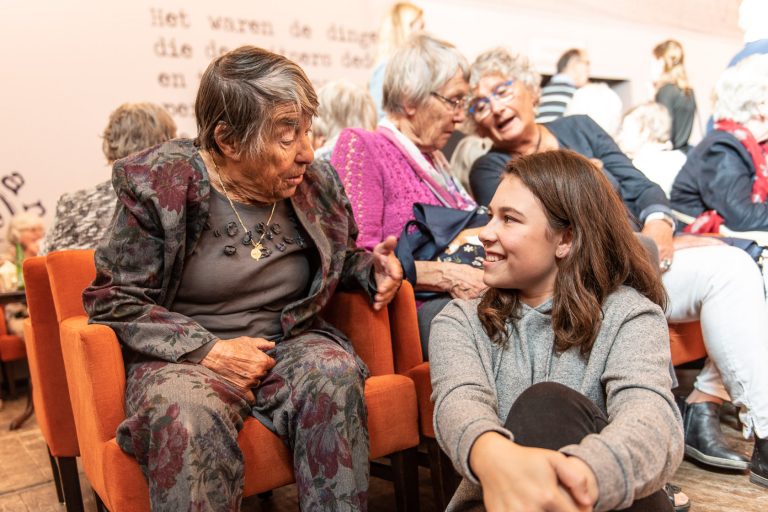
(183, 419)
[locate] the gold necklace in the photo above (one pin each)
(258, 249)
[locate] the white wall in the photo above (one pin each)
(67, 65)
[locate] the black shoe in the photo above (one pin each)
(759, 472)
(704, 440)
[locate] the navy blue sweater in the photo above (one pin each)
(718, 175)
(584, 136)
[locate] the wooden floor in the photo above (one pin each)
(26, 483)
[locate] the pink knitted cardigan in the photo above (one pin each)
(380, 182)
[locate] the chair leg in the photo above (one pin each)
(11, 379)
(56, 477)
(444, 477)
(70, 481)
(99, 504)
(405, 475)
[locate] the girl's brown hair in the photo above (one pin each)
(604, 255)
(670, 52)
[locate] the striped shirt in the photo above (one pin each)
(555, 97)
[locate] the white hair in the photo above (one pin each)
(343, 104)
(20, 222)
(417, 69)
(654, 118)
(599, 102)
(509, 65)
(741, 89)
(752, 19)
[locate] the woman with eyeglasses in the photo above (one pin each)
(706, 280)
(386, 171)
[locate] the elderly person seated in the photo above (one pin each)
(25, 233)
(385, 172)
(342, 104)
(644, 137)
(706, 280)
(725, 180)
(82, 217)
(221, 254)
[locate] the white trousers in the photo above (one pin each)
(722, 288)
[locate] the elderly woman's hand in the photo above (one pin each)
(661, 233)
(241, 361)
(459, 280)
(467, 282)
(387, 271)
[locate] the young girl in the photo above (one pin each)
(552, 390)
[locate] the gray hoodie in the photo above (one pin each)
(626, 375)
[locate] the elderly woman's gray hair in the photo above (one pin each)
(654, 118)
(419, 68)
(742, 90)
(502, 62)
(136, 126)
(344, 104)
(20, 222)
(241, 91)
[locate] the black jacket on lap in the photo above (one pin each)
(718, 175)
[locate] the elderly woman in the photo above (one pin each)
(221, 253)
(708, 281)
(25, 233)
(644, 137)
(83, 217)
(725, 179)
(342, 104)
(385, 172)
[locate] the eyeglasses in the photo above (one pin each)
(480, 108)
(454, 105)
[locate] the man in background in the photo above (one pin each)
(572, 73)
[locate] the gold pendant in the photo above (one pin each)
(257, 251)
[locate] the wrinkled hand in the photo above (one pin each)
(689, 241)
(514, 477)
(466, 282)
(661, 233)
(387, 271)
(241, 361)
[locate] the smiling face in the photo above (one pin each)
(512, 116)
(432, 123)
(521, 249)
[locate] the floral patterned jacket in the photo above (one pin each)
(163, 194)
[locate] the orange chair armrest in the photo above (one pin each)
(96, 378)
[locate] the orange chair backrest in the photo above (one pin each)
(368, 330)
(74, 271)
(3, 324)
(404, 326)
(46, 366)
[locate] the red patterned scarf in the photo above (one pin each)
(710, 221)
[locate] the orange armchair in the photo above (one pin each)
(96, 381)
(686, 343)
(49, 384)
